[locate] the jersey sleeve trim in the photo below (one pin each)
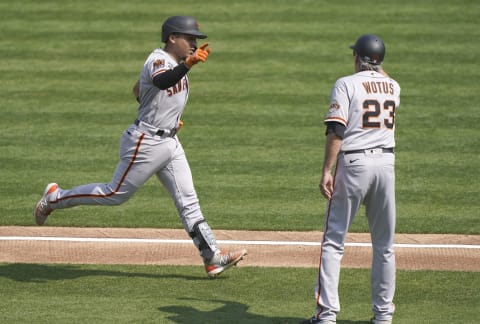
(158, 72)
(337, 120)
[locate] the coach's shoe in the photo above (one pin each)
(223, 260)
(42, 208)
(315, 320)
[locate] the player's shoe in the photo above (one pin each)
(387, 321)
(223, 260)
(42, 208)
(315, 320)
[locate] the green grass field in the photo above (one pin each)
(253, 136)
(139, 294)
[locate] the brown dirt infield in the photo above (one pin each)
(279, 255)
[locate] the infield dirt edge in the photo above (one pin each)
(30, 250)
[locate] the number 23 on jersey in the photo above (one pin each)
(372, 115)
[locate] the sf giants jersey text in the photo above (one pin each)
(365, 104)
(161, 108)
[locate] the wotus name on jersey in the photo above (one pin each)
(378, 87)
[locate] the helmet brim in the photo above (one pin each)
(199, 35)
(195, 33)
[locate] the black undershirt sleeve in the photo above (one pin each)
(335, 127)
(171, 77)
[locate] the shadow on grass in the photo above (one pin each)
(230, 312)
(22, 272)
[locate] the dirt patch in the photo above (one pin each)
(265, 248)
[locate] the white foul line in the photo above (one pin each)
(225, 242)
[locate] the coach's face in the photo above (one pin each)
(183, 45)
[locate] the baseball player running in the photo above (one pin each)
(360, 141)
(150, 146)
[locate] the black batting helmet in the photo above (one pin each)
(370, 48)
(181, 24)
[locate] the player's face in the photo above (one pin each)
(184, 45)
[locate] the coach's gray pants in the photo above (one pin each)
(369, 179)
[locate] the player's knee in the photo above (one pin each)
(383, 252)
(119, 198)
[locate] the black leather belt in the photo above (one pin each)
(384, 150)
(160, 132)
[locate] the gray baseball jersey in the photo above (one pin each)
(161, 108)
(365, 104)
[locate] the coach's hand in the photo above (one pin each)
(200, 55)
(326, 185)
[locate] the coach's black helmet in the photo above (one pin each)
(370, 48)
(182, 25)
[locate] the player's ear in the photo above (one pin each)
(171, 39)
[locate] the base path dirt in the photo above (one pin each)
(265, 248)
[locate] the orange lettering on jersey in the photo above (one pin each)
(385, 87)
(177, 88)
(366, 85)
(174, 89)
(378, 87)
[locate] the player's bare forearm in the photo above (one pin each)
(332, 148)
